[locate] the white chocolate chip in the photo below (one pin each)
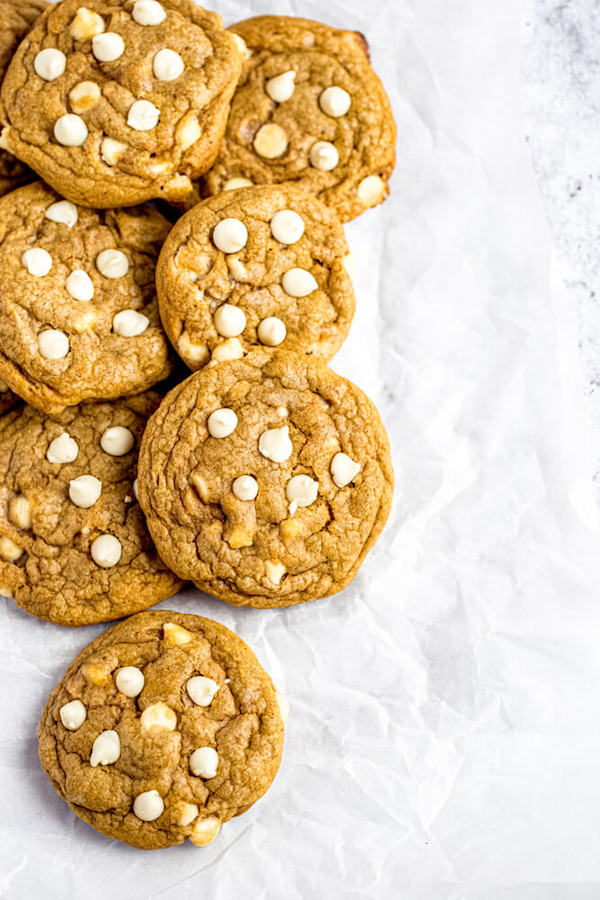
(149, 805)
(281, 87)
(302, 490)
(167, 65)
(187, 813)
(50, 64)
(205, 830)
(148, 12)
(19, 512)
(106, 551)
(193, 354)
(117, 440)
(135, 488)
(230, 349)
(349, 263)
(73, 715)
(130, 681)
(70, 130)
(324, 155)
(174, 635)
(275, 570)
(201, 690)
(130, 323)
(237, 269)
(62, 449)
(188, 131)
(270, 141)
(222, 423)
(230, 235)
(108, 47)
(64, 212)
(284, 707)
(245, 487)
(159, 715)
(241, 45)
(53, 344)
(85, 490)
(9, 551)
(229, 320)
(204, 762)
(111, 151)
(112, 263)
(234, 184)
(298, 282)
(86, 24)
(37, 261)
(106, 749)
(283, 412)
(335, 101)
(371, 190)
(143, 115)
(343, 469)
(287, 226)
(84, 96)
(272, 331)
(85, 322)
(275, 444)
(80, 285)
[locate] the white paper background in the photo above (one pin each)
(444, 739)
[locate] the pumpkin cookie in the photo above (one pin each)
(74, 548)
(163, 728)
(78, 311)
(113, 104)
(310, 109)
(262, 265)
(266, 480)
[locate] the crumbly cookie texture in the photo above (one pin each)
(78, 310)
(114, 104)
(257, 266)
(265, 480)
(163, 728)
(74, 548)
(16, 18)
(310, 109)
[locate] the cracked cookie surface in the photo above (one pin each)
(162, 729)
(266, 480)
(116, 103)
(74, 547)
(78, 310)
(261, 265)
(310, 109)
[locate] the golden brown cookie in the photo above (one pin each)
(78, 310)
(266, 480)
(162, 729)
(262, 265)
(309, 108)
(16, 18)
(116, 103)
(74, 548)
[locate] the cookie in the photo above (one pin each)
(114, 104)
(163, 728)
(16, 18)
(310, 109)
(78, 310)
(74, 548)
(266, 480)
(258, 266)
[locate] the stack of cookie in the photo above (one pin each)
(263, 477)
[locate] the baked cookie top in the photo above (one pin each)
(162, 729)
(261, 265)
(309, 108)
(266, 480)
(116, 103)
(78, 310)
(74, 548)
(16, 18)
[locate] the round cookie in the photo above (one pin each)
(310, 109)
(74, 548)
(16, 18)
(114, 104)
(78, 310)
(162, 729)
(261, 265)
(266, 480)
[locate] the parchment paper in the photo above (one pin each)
(444, 738)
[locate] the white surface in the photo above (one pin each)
(444, 737)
